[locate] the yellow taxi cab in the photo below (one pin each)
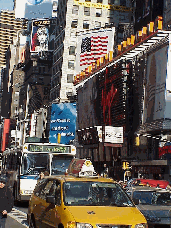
(81, 199)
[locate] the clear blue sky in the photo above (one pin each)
(6, 4)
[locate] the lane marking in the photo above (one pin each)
(19, 216)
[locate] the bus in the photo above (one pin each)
(23, 167)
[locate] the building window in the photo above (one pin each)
(74, 23)
(99, 1)
(98, 12)
(85, 24)
(97, 24)
(69, 78)
(87, 0)
(114, 2)
(72, 50)
(123, 2)
(71, 64)
(86, 11)
(75, 10)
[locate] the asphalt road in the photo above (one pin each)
(17, 218)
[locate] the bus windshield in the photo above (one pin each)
(34, 163)
(60, 164)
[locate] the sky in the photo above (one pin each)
(6, 4)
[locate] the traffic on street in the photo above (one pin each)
(57, 200)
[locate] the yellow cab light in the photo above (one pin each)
(81, 168)
(71, 225)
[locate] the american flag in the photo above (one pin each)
(92, 48)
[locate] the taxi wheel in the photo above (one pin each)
(32, 222)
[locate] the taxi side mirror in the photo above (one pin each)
(50, 199)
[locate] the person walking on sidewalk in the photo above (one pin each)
(6, 200)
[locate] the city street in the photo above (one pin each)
(18, 217)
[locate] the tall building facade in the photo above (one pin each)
(75, 17)
(9, 27)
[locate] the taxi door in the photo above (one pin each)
(51, 216)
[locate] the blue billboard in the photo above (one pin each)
(63, 123)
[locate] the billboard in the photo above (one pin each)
(92, 45)
(88, 105)
(40, 36)
(154, 105)
(63, 123)
(35, 9)
(168, 83)
(113, 134)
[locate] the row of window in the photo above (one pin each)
(86, 11)
(114, 2)
(86, 24)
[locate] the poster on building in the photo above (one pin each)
(40, 36)
(63, 123)
(35, 9)
(113, 134)
(88, 104)
(154, 105)
(168, 83)
(92, 45)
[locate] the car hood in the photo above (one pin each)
(155, 212)
(106, 215)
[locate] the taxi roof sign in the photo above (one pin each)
(81, 168)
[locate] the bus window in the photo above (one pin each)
(34, 163)
(60, 164)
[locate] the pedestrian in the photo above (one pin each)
(6, 200)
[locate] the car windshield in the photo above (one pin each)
(144, 197)
(95, 194)
(60, 164)
(34, 163)
(163, 198)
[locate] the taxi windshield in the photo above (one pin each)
(78, 193)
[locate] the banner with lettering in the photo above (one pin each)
(63, 123)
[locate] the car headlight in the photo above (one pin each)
(78, 225)
(141, 225)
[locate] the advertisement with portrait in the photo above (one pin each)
(63, 123)
(40, 36)
(35, 9)
(88, 104)
(154, 105)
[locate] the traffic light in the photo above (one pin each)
(126, 165)
(123, 165)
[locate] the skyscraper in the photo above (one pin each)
(9, 27)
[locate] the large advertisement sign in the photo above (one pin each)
(63, 123)
(155, 87)
(35, 9)
(88, 104)
(168, 84)
(40, 36)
